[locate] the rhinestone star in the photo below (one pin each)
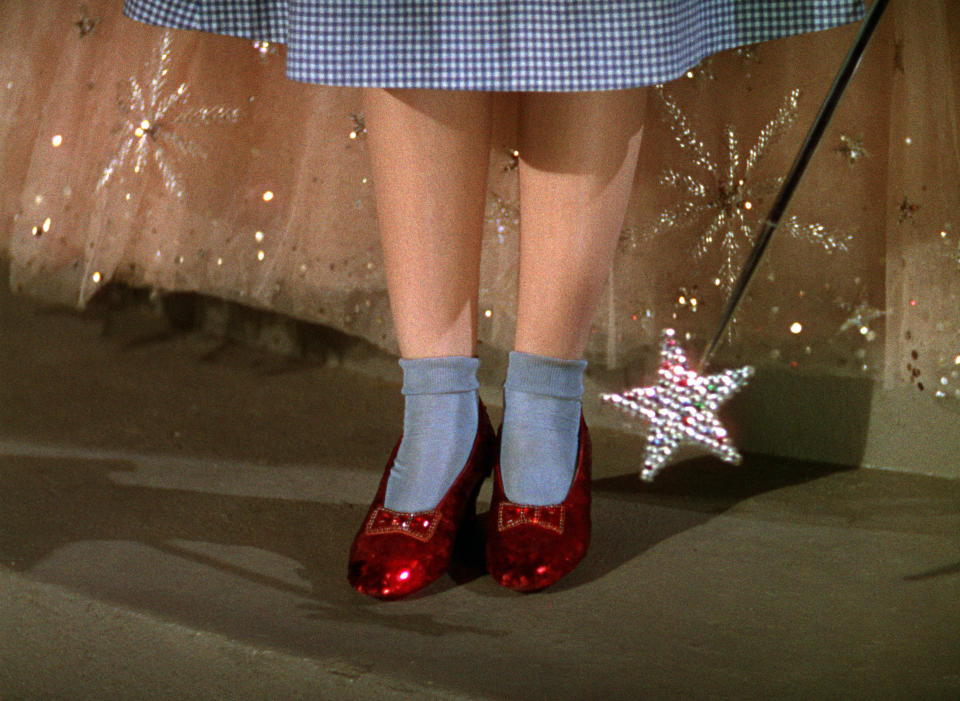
(682, 408)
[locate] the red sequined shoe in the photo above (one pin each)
(531, 547)
(395, 553)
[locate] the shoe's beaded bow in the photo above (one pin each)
(511, 515)
(419, 525)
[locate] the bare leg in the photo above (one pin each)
(578, 154)
(429, 152)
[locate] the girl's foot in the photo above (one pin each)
(541, 426)
(439, 426)
(396, 553)
(531, 547)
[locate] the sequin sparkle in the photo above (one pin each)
(682, 408)
(151, 117)
(724, 203)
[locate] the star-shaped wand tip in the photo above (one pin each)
(682, 408)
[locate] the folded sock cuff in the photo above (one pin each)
(541, 374)
(439, 375)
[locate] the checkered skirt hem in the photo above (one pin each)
(498, 45)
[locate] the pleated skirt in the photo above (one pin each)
(498, 45)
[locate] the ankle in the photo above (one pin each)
(542, 411)
(439, 427)
(560, 378)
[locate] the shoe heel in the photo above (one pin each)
(468, 561)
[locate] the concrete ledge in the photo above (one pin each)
(842, 420)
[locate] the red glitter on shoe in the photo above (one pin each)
(394, 553)
(530, 547)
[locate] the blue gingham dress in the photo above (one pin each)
(498, 45)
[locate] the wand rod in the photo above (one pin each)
(840, 83)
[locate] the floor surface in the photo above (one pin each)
(175, 513)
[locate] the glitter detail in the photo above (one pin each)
(264, 49)
(950, 248)
(860, 318)
(511, 515)
(420, 525)
(907, 210)
(359, 127)
(43, 228)
(681, 408)
(748, 53)
(151, 114)
(852, 149)
(86, 23)
(703, 71)
(503, 216)
(723, 202)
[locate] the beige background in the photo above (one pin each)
(871, 272)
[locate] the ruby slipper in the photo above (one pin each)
(394, 553)
(530, 547)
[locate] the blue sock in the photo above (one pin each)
(541, 427)
(439, 427)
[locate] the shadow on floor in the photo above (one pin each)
(49, 503)
(631, 516)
